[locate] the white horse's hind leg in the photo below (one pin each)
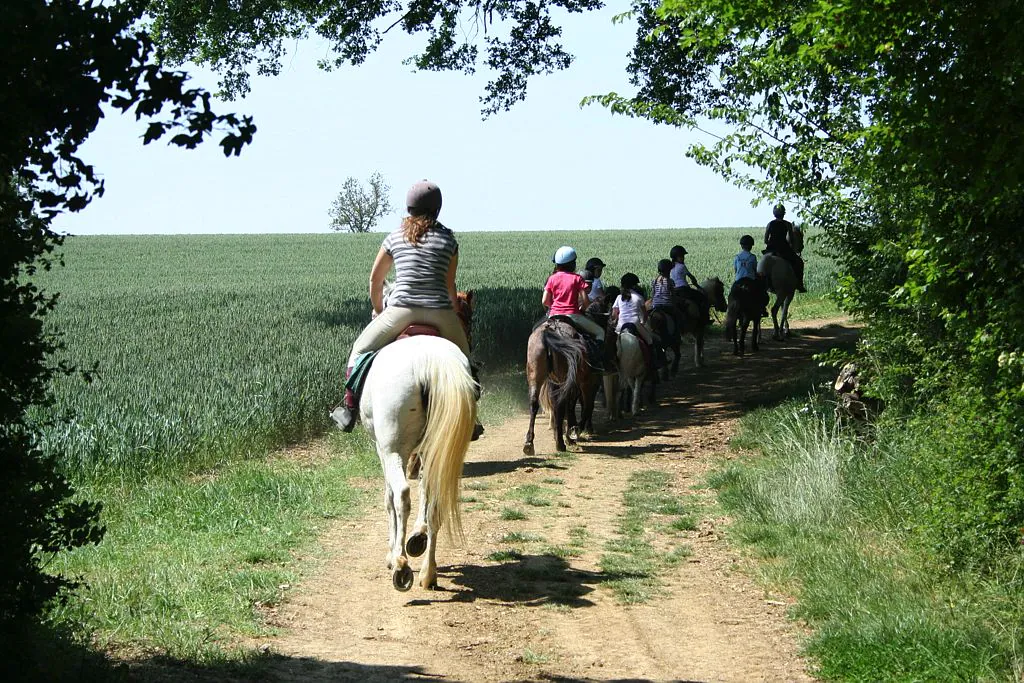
(418, 539)
(398, 487)
(428, 570)
(638, 383)
(392, 514)
(785, 316)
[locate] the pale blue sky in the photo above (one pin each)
(547, 164)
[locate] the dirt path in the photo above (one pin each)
(544, 614)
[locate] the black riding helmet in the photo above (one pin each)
(676, 252)
(665, 267)
(593, 264)
(629, 281)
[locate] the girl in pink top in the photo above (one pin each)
(566, 293)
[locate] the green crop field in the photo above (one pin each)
(218, 348)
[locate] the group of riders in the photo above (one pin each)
(425, 256)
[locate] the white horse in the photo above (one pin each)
(632, 370)
(782, 281)
(420, 397)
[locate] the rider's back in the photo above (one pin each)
(421, 269)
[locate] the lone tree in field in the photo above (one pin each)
(357, 209)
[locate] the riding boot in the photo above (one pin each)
(800, 276)
(345, 414)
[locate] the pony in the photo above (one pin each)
(693, 322)
(782, 281)
(559, 376)
(420, 398)
(632, 372)
(665, 326)
(745, 306)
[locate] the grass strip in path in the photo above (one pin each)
(631, 563)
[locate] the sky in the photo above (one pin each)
(547, 164)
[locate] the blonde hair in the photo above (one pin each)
(415, 227)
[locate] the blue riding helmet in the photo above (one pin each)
(564, 255)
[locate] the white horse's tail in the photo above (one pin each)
(451, 415)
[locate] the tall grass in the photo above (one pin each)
(834, 511)
(223, 347)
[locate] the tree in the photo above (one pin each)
(62, 61)
(232, 38)
(356, 209)
(895, 123)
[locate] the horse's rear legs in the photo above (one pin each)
(417, 542)
(397, 504)
(534, 408)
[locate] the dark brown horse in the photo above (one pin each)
(747, 299)
(693, 319)
(559, 375)
(664, 324)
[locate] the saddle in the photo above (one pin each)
(645, 348)
(595, 357)
(361, 367)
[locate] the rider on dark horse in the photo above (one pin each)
(425, 255)
(745, 267)
(778, 238)
(565, 294)
(682, 278)
(662, 289)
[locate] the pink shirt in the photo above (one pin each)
(565, 291)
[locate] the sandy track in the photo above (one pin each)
(542, 617)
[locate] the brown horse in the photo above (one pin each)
(782, 280)
(747, 299)
(559, 376)
(693, 319)
(664, 324)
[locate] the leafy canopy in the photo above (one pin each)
(63, 60)
(895, 125)
(518, 38)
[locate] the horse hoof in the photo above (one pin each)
(528, 449)
(416, 544)
(402, 578)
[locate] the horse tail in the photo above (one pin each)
(573, 352)
(451, 414)
(731, 316)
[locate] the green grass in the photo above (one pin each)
(505, 556)
(835, 511)
(512, 514)
(631, 564)
(532, 495)
(683, 523)
(187, 562)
